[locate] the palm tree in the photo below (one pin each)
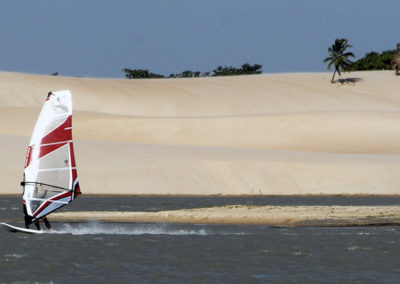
(338, 57)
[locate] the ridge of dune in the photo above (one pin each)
(262, 134)
(210, 96)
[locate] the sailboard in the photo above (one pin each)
(50, 174)
(16, 229)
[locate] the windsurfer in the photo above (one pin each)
(50, 185)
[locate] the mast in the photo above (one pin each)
(50, 175)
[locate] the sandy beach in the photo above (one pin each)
(270, 134)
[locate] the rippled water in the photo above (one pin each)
(170, 253)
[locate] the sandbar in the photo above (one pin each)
(291, 216)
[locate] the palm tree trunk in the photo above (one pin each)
(333, 77)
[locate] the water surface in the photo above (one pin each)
(98, 252)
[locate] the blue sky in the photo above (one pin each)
(99, 38)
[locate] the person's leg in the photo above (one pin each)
(46, 222)
(37, 224)
(27, 218)
(28, 221)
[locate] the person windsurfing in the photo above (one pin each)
(50, 174)
(27, 218)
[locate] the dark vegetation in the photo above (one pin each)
(246, 69)
(140, 74)
(374, 61)
(338, 57)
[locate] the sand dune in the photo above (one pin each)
(266, 134)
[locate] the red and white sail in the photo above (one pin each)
(50, 174)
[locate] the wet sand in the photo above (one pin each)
(319, 216)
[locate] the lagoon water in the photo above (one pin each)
(97, 252)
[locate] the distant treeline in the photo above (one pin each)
(374, 61)
(246, 69)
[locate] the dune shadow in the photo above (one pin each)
(349, 81)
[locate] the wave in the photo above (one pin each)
(100, 228)
(96, 228)
(14, 255)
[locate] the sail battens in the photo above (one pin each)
(57, 169)
(48, 200)
(52, 186)
(56, 143)
(50, 174)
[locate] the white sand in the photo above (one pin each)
(264, 134)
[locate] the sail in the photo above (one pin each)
(50, 175)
